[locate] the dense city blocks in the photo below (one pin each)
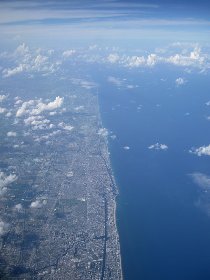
(57, 203)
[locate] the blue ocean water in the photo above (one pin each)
(164, 235)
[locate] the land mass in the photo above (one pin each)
(58, 213)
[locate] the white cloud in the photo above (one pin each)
(158, 146)
(5, 181)
(120, 82)
(18, 101)
(103, 132)
(52, 113)
(11, 72)
(38, 122)
(11, 134)
(2, 97)
(36, 107)
(115, 81)
(113, 137)
(79, 108)
(68, 53)
(24, 109)
(41, 107)
(126, 148)
(22, 49)
(180, 81)
(47, 136)
(203, 150)
(18, 207)
(113, 58)
(28, 61)
(88, 85)
(8, 114)
(83, 83)
(152, 59)
(65, 126)
(36, 204)
(195, 54)
(193, 58)
(201, 179)
(3, 227)
(134, 61)
(130, 86)
(33, 120)
(3, 110)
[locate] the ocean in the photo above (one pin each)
(162, 217)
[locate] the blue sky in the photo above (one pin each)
(105, 22)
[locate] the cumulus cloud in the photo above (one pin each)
(180, 81)
(152, 59)
(17, 70)
(38, 203)
(202, 180)
(22, 49)
(47, 136)
(113, 58)
(38, 122)
(34, 120)
(158, 146)
(120, 82)
(113, 136)
(25, 108)
(126, 148)
(5, 181)
(3, 227)
(68, 53)
(137, 61)
(2, 97)
(79, 108)
(11, 134)
(18, 207)
(41, 107)
(3, 110)
(36, 107)
(193, 58)
(115, 81)
(8, 114)
(18, 101)
(65, 126)
(28, 61)
(103, 132)
(203, 150)
(134, 61)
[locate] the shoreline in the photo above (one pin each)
(115, 215)
(115, 190)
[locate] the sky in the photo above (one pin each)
(105, 22)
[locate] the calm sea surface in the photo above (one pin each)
(163, 234)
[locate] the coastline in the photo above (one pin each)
(115, 215)
(114, 192)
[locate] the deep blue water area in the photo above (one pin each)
(163, 234)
